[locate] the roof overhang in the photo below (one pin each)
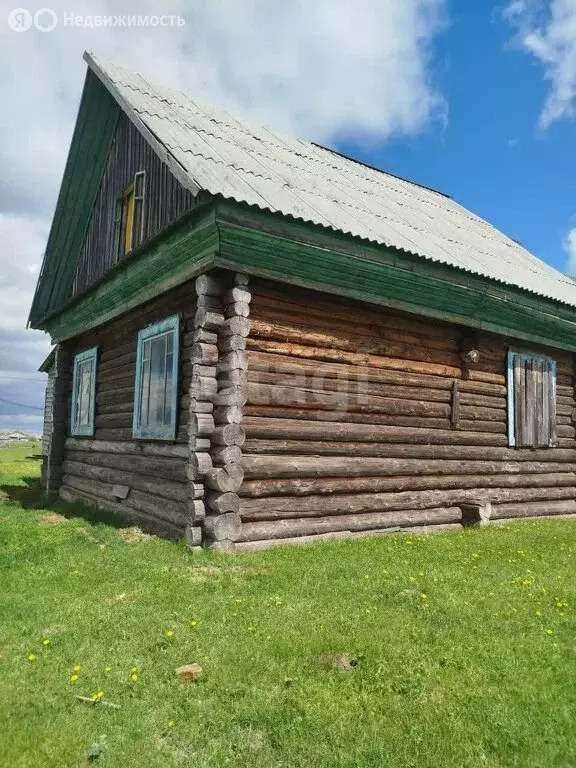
(239, 237)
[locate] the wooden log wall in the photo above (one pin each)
(363, 419)
(217, 394)
(145, 481)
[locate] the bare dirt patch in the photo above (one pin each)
(133, 535)
(52, 518)
(341, 661)
(200, 573)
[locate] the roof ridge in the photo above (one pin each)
(380, 170)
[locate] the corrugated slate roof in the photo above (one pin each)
(255, 165)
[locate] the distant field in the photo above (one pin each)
(425, 652)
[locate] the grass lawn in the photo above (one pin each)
(464, 645)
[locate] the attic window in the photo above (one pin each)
(531, 400)
(131, 215)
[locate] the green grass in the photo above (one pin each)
(456, 667)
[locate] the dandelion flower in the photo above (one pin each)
(169, 633)
(549, 631)
(73, 678)
(193, 623)
(134, 670)
(98, 695)
(108, 668)
(171, 723)
(538, 613)
(76, 668)
(46, 641)
(134, 678)
(31, 657)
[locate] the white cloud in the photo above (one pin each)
(570, 248)
(320, 70)
(547, 30)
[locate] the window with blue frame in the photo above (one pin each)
(531, 400)
(156, 397)
(84, 392)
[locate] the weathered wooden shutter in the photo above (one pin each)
(531, 401)
(139, 202)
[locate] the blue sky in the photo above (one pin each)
(490, 154)
(472, 97)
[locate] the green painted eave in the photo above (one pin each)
(181, 253)
(239, 237)
(279, 248)
(91, 140)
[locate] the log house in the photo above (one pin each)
(259, 341)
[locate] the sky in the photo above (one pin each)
(472, 97)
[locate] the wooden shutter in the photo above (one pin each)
(531, 401)
(139, 201)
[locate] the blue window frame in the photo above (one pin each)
(156, 396)
(84, 392)
(531, 385)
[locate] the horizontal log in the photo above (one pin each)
(353, 358)
(283, 466)
(270, 300)
(237, 309)
(322, 448)
(229, 454)
(124, 512)
(197, 335)
(129, 447)
(231, 343)
(152, 466)
(258, 545)
(279, 529)
(272, 413)
(228, 414)
(201, 424)
(232, 361)
(164, 488)
(222, 527)
(153, 506)
(275, 508)
(533, 509)
(220, 503)
(265, 394)
(231, 396)
(205, 354)
(114, 420)
(208, 285)
(346, 340)
(202, 387)
(228, 434)
(235, 326)
(358, 385)
(200, 462)
(333, 485)
(299, 429)
(125, 358)
(237, 293)
(225, 479)
(285, 364)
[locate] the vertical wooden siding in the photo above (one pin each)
(165, 200)
(48, 412)
(360, 418)
(152, 471)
